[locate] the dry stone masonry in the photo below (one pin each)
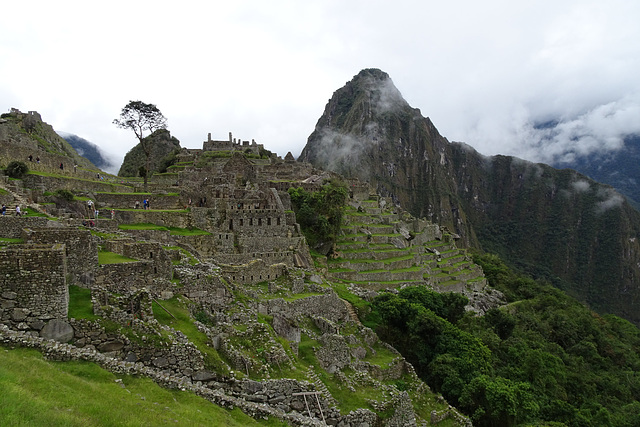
(221, 238)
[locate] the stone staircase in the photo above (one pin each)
(352, 312)
(321, 387)
(19, 198)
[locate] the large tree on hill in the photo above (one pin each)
(142, 118)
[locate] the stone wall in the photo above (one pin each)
(253, 272)
(180, 219)
(11, 226)
(33, 287)
(329, 306)
(73, 184)
(128, 200)
(203, 284)
(80, 248)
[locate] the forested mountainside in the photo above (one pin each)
(619, 168)
(555, 224)
(89, 150)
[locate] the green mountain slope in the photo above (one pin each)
(556, 224)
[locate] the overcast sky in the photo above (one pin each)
(485, 72)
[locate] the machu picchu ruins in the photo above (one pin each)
(214, 242)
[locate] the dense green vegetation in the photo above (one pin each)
(320, 213)
(544, 357)
(16, 169)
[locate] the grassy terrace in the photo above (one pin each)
(78, 393)
(174, 231)
(71, 177)
(366, 261)
(106, 257)
(181, 320)
(139, 194)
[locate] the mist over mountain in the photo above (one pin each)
(88, 150)
(619, 168)
(559, 225)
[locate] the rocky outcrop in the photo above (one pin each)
(162, 143)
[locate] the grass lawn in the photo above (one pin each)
(80, 306)
(106, 257)
(36, 392)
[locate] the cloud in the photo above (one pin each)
(581, 186)
(611, 200)
(486, 73)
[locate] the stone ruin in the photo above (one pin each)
(249, 235)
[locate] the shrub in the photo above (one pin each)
(65, 195)
(17, 169)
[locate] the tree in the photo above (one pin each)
(17, 169)
(142, 118)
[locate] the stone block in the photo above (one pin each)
(110, 346)
(58, 330)
(9, 295)
(203, 375)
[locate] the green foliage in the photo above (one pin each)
(65, 195)
(542, 359)
(498, 401)
(442, 353)
(320, 213)
(17, 169)
(169, 160)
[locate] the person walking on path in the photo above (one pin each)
(18, 213)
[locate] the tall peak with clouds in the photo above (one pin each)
(556, 224)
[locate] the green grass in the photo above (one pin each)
(80, 306)
(106, 257)
(183, 322)
(174, 231)
(141, 226)
(36, 392)
(10, 240)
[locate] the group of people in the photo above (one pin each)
(145, 204)
(4, 210)
(31, 158)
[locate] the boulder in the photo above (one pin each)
(58, 330)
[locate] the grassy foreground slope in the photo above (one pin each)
(39, 392)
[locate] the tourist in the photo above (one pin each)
(18, 213)
(113, 214)
(61, 167)
(137, 204)
(4, 209)
(75, 168)
(38, 160)
(30, 158)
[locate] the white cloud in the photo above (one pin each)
(485, 72)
